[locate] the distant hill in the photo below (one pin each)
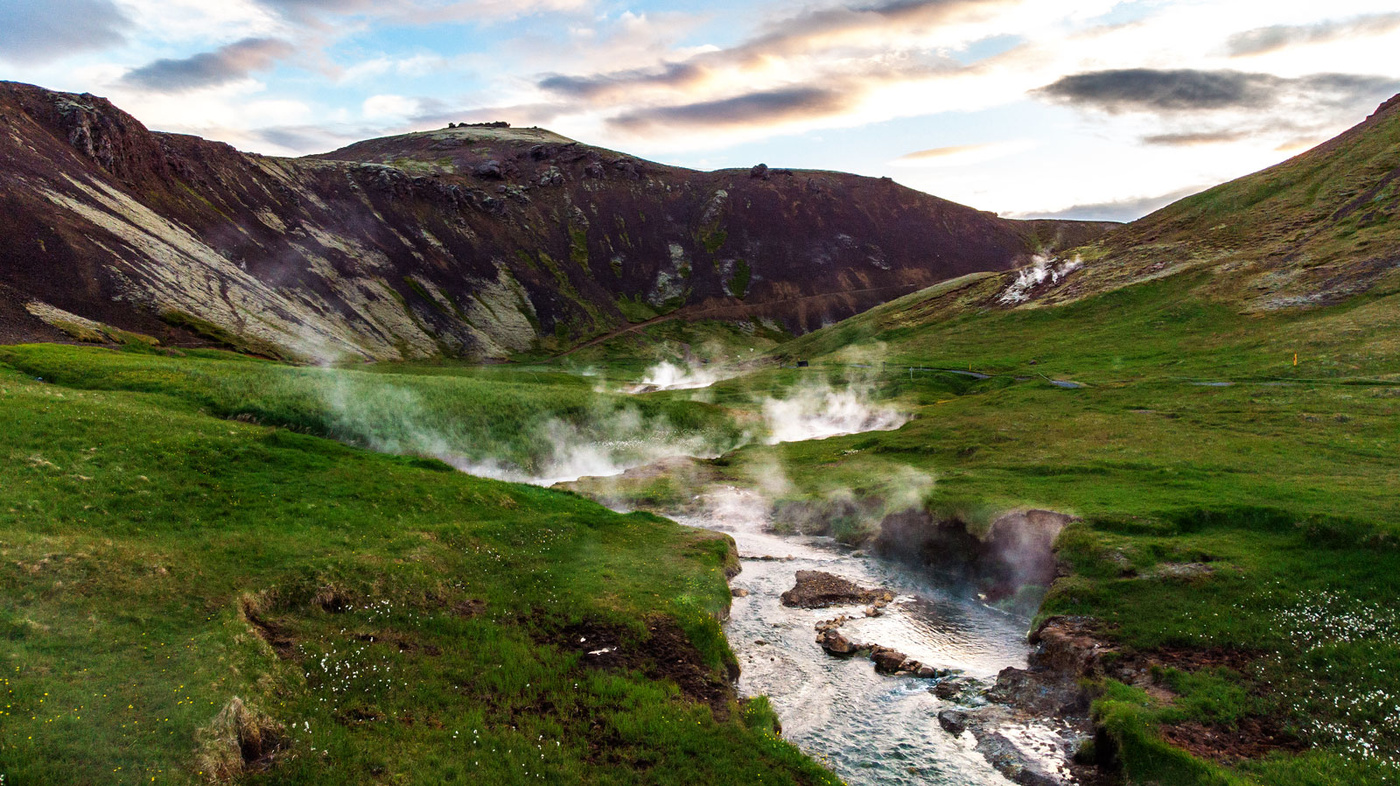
(465, 242)
(1313, 230)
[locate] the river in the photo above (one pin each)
(869, 728)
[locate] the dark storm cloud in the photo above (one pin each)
(209, 69)
(38, 30)
(762, 107)
(1270, 39)
(1179, 91)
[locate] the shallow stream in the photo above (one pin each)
(871, 729)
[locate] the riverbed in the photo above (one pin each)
(869, 728)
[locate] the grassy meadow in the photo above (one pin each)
(1195, 438)
(185, 591)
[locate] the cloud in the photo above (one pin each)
(1187, 90)
(1193, 138)
(1263, 40)
(419, 12)
(964, 155)
(671, 75)
(40, 30)
(1129, 209)
(1152, 90)
(770, 106)
(209, 69)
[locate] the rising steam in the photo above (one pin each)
(821, 411)
(1042, 269)
(671, 376)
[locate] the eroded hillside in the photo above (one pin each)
(468, 241)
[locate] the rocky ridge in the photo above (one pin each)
(466, 242)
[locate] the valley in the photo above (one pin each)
(1132, 490)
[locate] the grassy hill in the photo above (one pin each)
(1218, 384)
(188, 598)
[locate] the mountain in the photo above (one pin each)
(469, 241)
(1297, 263)
(1313, 230)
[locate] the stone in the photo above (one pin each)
(739, 592)
(953, 688)
(837, 644)
(816, 589)
(953, 721)
(887, 661)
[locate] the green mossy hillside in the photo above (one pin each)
(382, 618)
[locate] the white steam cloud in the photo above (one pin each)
(820, 411)
(671, 376)
(1042, 269)
(612, 440)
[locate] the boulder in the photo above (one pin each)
(837, 644)
(816, 590)
(887, 661)
(953, 721)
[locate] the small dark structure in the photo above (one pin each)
(802, 364)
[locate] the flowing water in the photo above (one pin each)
(869, 728)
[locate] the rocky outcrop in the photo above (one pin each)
(818, 590)
(1016, 551)
(1032, 722)
(477, 242)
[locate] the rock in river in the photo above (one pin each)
(816, 590)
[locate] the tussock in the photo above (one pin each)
(240, 739)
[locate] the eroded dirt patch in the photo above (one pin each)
(278, 637)
(665, 654)
(1253, 738)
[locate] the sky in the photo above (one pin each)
(1028, 108)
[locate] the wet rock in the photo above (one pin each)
(950, 689)
(837, 644)
(1002, 754)
(873, 611)
(815, 589)
(832, 624)
(887, 661)
(739, 592)
(1040, 692)
(953, 721)
(931, 672)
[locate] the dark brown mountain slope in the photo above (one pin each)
(473, 242)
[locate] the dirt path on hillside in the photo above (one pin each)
(737, 311)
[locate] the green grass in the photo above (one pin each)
(1285, 482)
(451, 411)
(421, 608)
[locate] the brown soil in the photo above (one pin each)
(276, 636)
(1255, 738)
(666, 654)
